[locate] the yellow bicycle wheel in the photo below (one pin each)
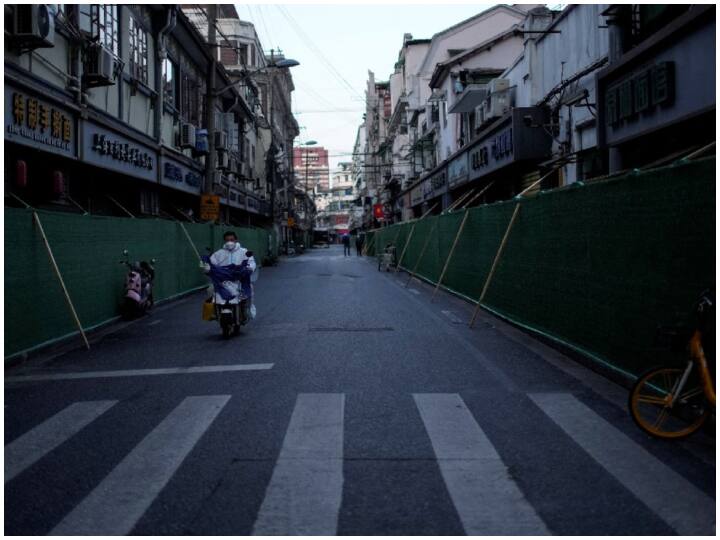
(651, 409)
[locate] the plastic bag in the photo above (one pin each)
(253, 311)
(208, 311)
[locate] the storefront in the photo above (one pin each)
(656, 102)
(111, 150)
(41, 147)
(502, 155)
(178, 172)
(429, 192)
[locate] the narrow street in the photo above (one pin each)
(352, 406)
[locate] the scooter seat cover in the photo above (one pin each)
(231, 272)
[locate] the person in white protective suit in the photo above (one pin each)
(233, 253)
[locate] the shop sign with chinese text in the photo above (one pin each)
(34, 122)
(110, 150)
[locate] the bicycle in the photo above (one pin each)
(670, 402)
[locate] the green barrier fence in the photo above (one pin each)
(88, 250)
(595, 267)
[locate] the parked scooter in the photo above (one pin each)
(138, 287)
(232, 305)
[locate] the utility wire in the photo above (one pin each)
(259, 9)
(315, 49)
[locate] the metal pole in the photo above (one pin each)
(307, 172)
(452, 250)
(59, 276)
(212, 44)
(494, 264)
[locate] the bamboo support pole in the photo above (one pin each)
(428, 212)
(187, 235)
(452, 250)
(120, 206)
(402, 255)
(407, 242)
(473, 199)
(26, 205)
(366, 247)
(59, 276)
(535, 183)
(183, 214)
(422, 252)
(457, 203)
(700, 151)
(69, 198)
(494, 264)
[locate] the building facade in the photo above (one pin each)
(106, 113)
(267, 138)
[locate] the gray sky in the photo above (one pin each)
(336, 45)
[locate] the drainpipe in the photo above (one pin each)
(162, 55)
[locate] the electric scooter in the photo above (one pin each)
(232, 305)
(138, 297)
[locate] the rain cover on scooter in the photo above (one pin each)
(231, 272)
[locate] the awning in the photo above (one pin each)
(470, 98)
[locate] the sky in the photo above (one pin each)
(336, 45)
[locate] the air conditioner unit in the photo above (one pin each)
(100, 66)
(499, 85)
(499, 104)
(223, 161)
(221, 140)
(33, 26)
(187, 135)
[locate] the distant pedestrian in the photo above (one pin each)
(346, 244)
(359, 244)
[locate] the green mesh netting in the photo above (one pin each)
(597, 267)
(88, 250)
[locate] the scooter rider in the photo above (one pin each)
(232, 253)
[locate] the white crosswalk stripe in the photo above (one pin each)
(42, 439)
(305, 491)
(486, 498)
(674, 499)
(120, 500)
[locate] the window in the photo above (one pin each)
(170, 82)
(104, 25)
(242, 54)
(251, 61)
(190, 106)
(228, 53)
(138, 52)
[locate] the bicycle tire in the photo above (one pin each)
(652, 389)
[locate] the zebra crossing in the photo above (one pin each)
(304, 494)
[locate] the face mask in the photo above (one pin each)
(230, 246)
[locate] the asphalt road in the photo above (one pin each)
(351, 405)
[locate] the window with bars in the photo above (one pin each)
(104, 25)
(138, 51)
